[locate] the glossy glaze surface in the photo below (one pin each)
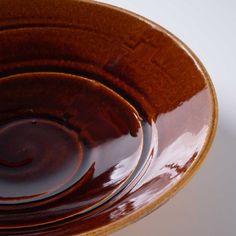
(114, 113)
(70, 142)
(38, 159)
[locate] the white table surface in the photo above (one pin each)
(207, 206)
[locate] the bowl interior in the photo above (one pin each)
(102, 116)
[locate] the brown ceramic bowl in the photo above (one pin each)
(104, 116)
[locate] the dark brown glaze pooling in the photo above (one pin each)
(102, 112)
(69, 139)
(38, 158)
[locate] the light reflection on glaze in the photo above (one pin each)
(173, 159)
(123, 169)
(119, 155)
(179, 152)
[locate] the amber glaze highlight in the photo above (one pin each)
(104, 115)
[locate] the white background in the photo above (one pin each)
(207, 206)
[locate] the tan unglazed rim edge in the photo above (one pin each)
(143, 211)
